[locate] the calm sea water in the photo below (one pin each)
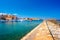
(16, 30)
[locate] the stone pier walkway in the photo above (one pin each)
(47, 30)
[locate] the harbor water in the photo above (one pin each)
(16, 30)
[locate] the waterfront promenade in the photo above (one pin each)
(47, 30)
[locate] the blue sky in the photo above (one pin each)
(31, 8)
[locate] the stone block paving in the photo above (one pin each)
(44, 31)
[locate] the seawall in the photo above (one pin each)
(47, 30)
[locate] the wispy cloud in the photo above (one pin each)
(8, 13)
(3, 13)
(14, 14)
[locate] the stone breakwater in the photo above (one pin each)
(47, 30)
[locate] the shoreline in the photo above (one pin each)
(39, 34)
(28, 34)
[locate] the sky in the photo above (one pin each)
(31, 8)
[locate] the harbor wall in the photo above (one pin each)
(47, 30)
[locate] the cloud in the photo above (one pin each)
(15, 14)
(8, 13)
(3, 13)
